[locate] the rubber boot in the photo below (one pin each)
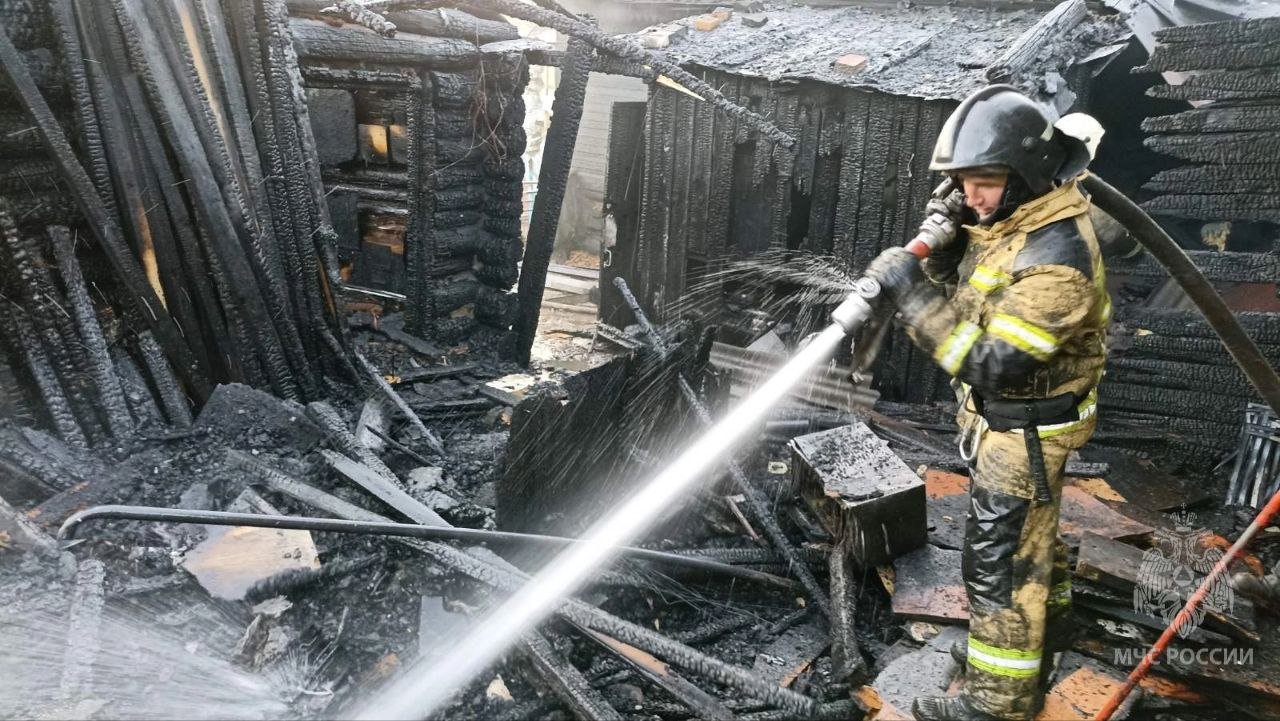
(948, 708)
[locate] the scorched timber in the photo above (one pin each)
(443, 22)
(144, 47)
(125, 265)
(1227, 266)
(1235, 178)
(1223, 34)
(1261, 118)
(77, 75)
(316, 39)
(500, 574)
(1213, 56)
(566, 112)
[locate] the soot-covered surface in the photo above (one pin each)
(918, 51)
(117, 626)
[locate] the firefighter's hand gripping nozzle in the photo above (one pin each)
(938, 230)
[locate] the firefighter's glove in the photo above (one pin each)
(902, 282)
(897, 271)
(943, 265)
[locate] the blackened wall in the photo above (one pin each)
(711, 190)
(420, 139)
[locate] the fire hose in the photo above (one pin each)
(1246, 355)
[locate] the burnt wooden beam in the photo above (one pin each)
(1225, 33)
(316, 238)
(1050, 28)
(553, 178)
(847, 663)
(566, 681)
(1212, 56)
(16, 527)
(1263, 327)
(139, 293)
(1234, 178)
(1240, 206)
(1228, 266)
(382, 488)
(703, 704)
(318, 40)
(398, 401)
(1233, 147)
(144, 47)
(73, 59)
(208, 57)
(176, 407)
(15, 326)
(130, 181)
(421, 265)
(280, 227)
(110, 394)
(444, 22)
(205, 282)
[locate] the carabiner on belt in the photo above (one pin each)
(972, 432)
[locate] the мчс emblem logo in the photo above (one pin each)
(1173, 569)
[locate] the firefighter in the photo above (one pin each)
(1023, 333)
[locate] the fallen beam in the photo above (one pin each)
(566, 681)
(382, 488)
(703, 704)
(382, 384)
(318, 40)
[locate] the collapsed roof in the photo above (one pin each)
(928, 52)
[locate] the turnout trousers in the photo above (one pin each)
(1015, 571)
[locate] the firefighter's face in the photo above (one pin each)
(983, 192)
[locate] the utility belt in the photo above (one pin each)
(1007, 414)
(1029, 415)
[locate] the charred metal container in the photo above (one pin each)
(862, 493)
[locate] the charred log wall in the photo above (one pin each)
(1228, 146)
(420, 139)
(712, 191)
(1168, 377)
(1172, 388)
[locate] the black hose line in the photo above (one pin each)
(1193, 282)
(379, 528)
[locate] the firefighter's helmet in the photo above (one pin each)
(999, 126)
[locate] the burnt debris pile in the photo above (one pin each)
(195, 181)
